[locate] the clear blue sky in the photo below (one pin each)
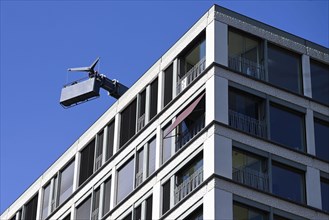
(41, 39)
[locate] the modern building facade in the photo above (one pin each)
(232, 122)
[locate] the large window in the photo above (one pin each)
(107, 196)
(320, 81)
(250, 170)
(288, 182)
(168, 85)
(139, 167)
(247, 112)
(87, 162)
(325, 194)
(165, 197)
(95, 204)
(128, 123)
(284, 69)
(166, 144)
(45, 202)
(245, 54)
(99, 150)
(321, 131)
(30, 209)
(66, 182)
(83, 210)
(125, 182)
(291, 121)
(110, 138)
(243, 212)
(151, 156)
(153, 98)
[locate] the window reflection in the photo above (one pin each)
(125, 180)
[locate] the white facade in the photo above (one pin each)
(216, 141)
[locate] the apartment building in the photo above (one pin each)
(232, 122)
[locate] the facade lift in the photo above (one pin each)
(87, 89)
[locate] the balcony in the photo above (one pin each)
(189, 133)
(247, 124)
(251, 178)
(247, 67)
(188, 185)
(191, 75)
(140, 122)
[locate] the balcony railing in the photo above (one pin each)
(139, 178)
(188, 185)
(188, 134)
(94, 214)
(140, 122)
(247, 67)
(251, 178)
(247, 124)
(191, 75)
(98, 162)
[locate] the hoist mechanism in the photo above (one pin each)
(87, 89)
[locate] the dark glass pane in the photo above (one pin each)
(168, 85)
(242, 212)
(151, 156)
(100, 144)
(166, 197)
(96, 196)
(13, 218)
(68, 217)
(66, 184)
(186, 172)
(166, 144)
(284, 69)
(110, 138)
(30, 210)
(321, 131)
(83, 210)
(148, 212)
(87, 162)
(139, 167)
(142, 103)
(291, 121)
(276, 217)
(325, 194)
(320, 82)
(125, 180)
(154, 98)
(138, 213)
(128, 123)
(107, 196)
(196, 214)
(128, 217)
(45, 202)
(288, 183)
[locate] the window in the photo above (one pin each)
(110, 138)
(243, 212)
(45, 202)
(125, 182)
(188, 178)
(128, 123)
(320, 82)
(68, 217)
(141, 110)
(83, 210)
(139, 167)
(166, 196)
(148, 212)
(99, 150)
(196, 214)
(54, 198)
(151, 156)
(66, 182)
(321, 131)
(153, 98)
(288, 182)
(291, 121)
(87, 162)
(30, 209)
(138, 213)
(107, 196)
(325, 194)
(250, 170)
(284, 69)
(95, 208)
(144, 209)
(128, 217)
(166, 144)
(247, 112)
(168, 85)
(245, 54)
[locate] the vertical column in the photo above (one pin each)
(158, 152)
(216, 43)
(147, 104)
(72, 212)
(105, 141)
(156, 201)
(306, 73)
(216, 99)
(175, 75)
(218, 204)
(217, 155)
(76, 172)
(101, 200)
(313, 187)
(310, 139)
(160, 91)
(113, 187)
(116, 138)
(39, 203)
